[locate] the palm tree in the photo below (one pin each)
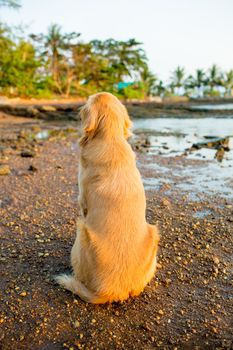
(228, 82)
(57, 48)
(178, 79)
(197, 81)
(214, 78)
(132, 56)
(55, 43)
(149, 81)
(160, 89)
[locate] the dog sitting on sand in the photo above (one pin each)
(114, 254)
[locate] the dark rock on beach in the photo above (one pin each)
(215, 143)
(220, 144)
(27, 153)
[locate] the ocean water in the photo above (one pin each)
(171, 137)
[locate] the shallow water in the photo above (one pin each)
(176, 135)
(188, 126)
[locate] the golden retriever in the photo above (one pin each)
(114, 255)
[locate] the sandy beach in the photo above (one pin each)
(187, 305)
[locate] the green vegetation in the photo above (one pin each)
(58, 63)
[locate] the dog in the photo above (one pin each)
(114, 254)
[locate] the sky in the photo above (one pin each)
(190, 33)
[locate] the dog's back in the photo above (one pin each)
(114, 255)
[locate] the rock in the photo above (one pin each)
(165, 202)
(219, 155)
(140, 143)
(32, 168)
(146, 142)
(4, 169)
(32, 112)
(215, 143)
(27, 153)
(160, 312)
(216, 260)
(76, 324)
(48, 109)
(167, 281)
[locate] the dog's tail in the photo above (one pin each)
(77, 287)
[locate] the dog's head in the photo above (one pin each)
(104, 113)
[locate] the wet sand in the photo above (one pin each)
(188, 305)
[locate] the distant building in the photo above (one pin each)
(122, 85)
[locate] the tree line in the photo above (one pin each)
(58, 63)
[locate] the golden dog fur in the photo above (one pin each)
(114, 255)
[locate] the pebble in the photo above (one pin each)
(166, 202)
(76, 324)
(27, 154)
(32, 168)
(216, 260)
(4, 169)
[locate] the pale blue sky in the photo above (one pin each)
(190, 33)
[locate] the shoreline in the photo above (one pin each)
(69, 111)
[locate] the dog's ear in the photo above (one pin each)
(91, 119)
